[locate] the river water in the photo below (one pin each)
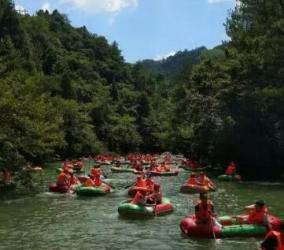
(56, 221)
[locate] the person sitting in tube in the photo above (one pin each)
(139, 199)
(203, 180)
(258, 214)
(155, 197)
(204, 210)
(274, 240)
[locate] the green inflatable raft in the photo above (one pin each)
(248, 230)
(127, 209)
(92, 191)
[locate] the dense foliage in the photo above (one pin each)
(66, 92)
(233, 101)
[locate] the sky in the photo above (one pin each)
(145, 29)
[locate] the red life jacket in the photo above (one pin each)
(63, 179)
(280, 239)
(204, 212)
(257, 217)
(140, 183)
(191, 181)
(89, 183)
(95, 172)
(230, 170)
(138, 198)
(98, 181)
(149, 183)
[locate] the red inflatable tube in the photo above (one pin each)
(189, 227)
(192, 189)
(54, 188)
(163, 209)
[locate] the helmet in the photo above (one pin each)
(260, 203)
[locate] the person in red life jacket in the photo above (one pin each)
(67, 164)
(63, 180)
(203, 180)
(139, 199)
(140, 182)
(274, 240)
(156, 196)
(95, 171)
(191, 180)
(98, 180)
(258, 214)
(231, 169)
(149, 183)
(204, 210)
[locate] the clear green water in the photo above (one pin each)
(53, 221)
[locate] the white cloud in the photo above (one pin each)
(96, 6)
(19, 8)
(165, 56)
(46, 6)
(219, 1)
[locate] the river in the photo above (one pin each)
(58, 221)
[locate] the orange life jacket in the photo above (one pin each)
(257, 217)
(89, 183)
(191, 181)
(98, 181)
(95, 172)
(230, 170)
(149, 183)
(140, 183)
(138, 198)
(63, 179)
(280, 239)
(204, 212)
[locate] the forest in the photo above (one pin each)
(66, 92)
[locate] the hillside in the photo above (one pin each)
(174, 65)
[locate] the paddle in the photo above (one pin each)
(212, 227)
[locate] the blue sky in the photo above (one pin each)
(146, 29)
